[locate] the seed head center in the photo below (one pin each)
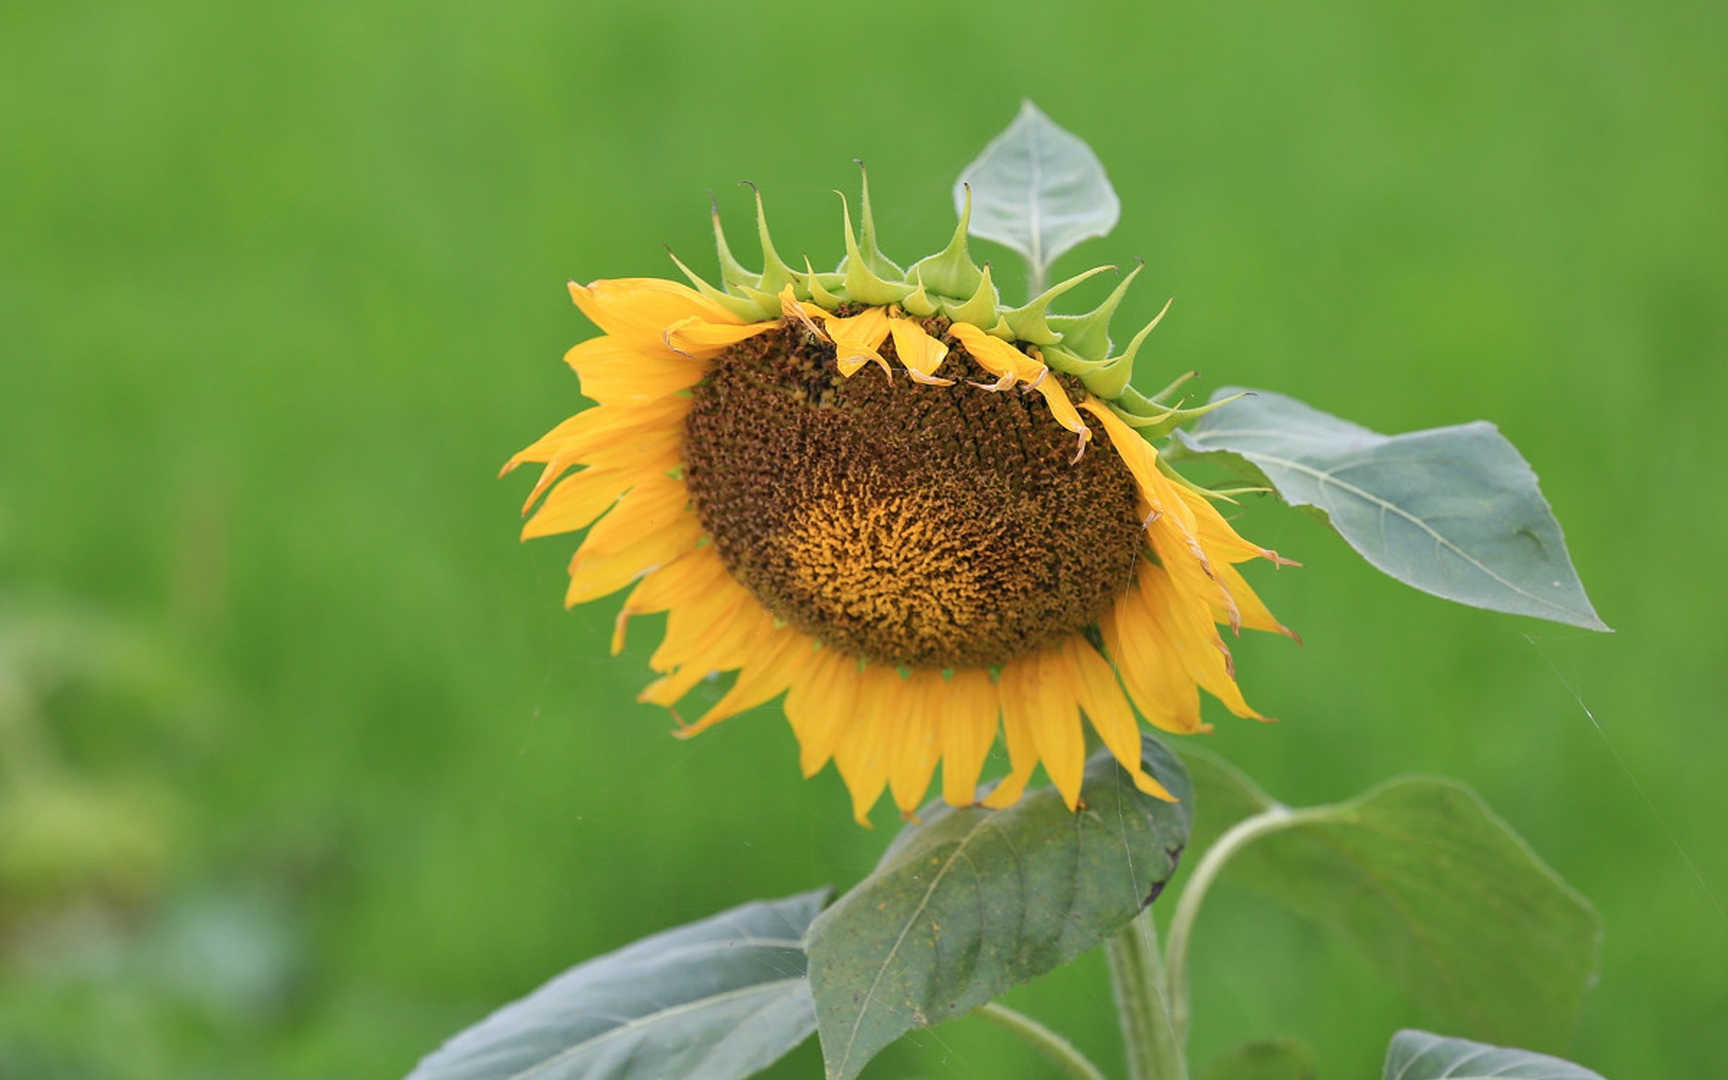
(915, 525)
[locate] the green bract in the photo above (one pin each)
(949, 284)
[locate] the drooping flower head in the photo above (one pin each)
(920, 515)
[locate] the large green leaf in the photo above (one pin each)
(1436, 888)
(1038, 189)
(715, 1000)
(1278, 1059)
(1453, 511)
(973, 901)
(1417, 1055)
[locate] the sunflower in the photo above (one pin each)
(918, 514)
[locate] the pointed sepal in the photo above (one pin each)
(871, 254)
(1158, 421)
(1088, 335)
(743, 307)
(734, 273)
(1109, 378)
(981, 309)
(1029, 323)
(775, 272)
(1216, 494)
(1067, 362)
(918, 301)
(1179, 381)
(863, 284)
(951, 271)
(819, 287)
(1104, 379)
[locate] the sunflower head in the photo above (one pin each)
(923, 517)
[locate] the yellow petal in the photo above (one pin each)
(802, 312)
(858, 339)
(1186, 532)
(698, 338)
(1102, 701)
(917, 351)
(721, 646)
(697, 573)
(862, 752)
(693, 618)
(745, 635)
(1149, 667)
(638, 310)
(995, 355)
(1056, 400)
(1018, 714)
(1188, 629)
(551, 443)
(1056, 724)
(820, 705)
(1217, 535)
(1191, 574)
(918, 745)
(594, 428)
(654, 504)
(592, 578)
(1171, 520)
(968, 721)
(1252, 612)
(1135, 452)
(655, 450)
(1010, 365)
(768, 673)
(578, 501)
(669, 689)
(614, 371)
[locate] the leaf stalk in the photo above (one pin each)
(1053, 1046)
(1238, 836)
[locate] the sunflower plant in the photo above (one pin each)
(925, 519)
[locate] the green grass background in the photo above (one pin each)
(302, 766)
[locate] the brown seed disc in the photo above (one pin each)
(916, 525)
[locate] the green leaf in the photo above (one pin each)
(1038, 189)
(1417, 1055)
(1453, 511)
(1278, 1059)
(972, 902)
(714, 1000)
(1436, 888)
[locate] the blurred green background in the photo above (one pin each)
(302, 766)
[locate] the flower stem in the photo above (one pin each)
(1142, 1006)
(1049, 1043)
